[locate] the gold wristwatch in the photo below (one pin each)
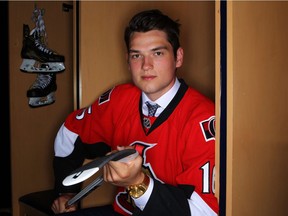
(138, 190)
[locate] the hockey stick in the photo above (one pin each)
(85, 191)
(91, 168)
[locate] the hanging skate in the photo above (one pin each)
(42, 91)
(37, 58)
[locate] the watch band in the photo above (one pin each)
(138, 190)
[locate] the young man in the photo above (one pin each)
(176, 164)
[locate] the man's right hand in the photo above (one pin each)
(59, 205)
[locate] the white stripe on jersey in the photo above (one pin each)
(64, 142)
(198, 207)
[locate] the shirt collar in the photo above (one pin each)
(163, 101)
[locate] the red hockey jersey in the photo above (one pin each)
(178, 149)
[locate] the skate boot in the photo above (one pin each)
(37, 58)
(42, 91)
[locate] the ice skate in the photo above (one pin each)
(42, 101)
(37, 58)
(42, 91)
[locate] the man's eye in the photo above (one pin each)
(135, 56)
(158, 53)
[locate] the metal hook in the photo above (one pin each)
(66, 7)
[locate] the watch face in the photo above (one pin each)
(137, 190)
(136, 193)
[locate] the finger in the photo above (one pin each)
(110, 173)
(105, 174)
(111, 152)
(70, 208)
(119, 148)
(54, 206)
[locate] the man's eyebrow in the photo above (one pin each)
(159, 48)
(154, 49)
(133, 51)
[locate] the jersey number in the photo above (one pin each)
(81, 116)
(207, 184)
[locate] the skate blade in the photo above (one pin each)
(33, 66)
(42, 101)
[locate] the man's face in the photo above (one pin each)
(152, 62)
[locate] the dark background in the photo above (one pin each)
(5, 204)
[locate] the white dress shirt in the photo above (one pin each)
(163, 102)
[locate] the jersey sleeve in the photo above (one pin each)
(199, 165)
(85, 134)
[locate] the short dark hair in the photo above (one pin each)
(154, 20)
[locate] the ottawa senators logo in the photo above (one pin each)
(123, 200)
(208, 128)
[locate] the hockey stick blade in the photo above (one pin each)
(85, 191)
(89, 169)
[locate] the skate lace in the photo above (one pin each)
(42, 81)
(38, 43)
(43, 48)
(39, 32)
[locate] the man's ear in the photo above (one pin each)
(179, 57)
(127, 60)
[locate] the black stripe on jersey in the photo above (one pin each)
(188, 190)
(166, 200)
(169, 109)
(96, 150)
(64, 166)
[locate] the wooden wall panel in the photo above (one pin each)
(102, 48)
(257, 104)
(33, 129)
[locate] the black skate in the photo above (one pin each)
(42, 91)
(37, 58)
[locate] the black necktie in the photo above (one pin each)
(151, 108)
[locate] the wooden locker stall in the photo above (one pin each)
(102, 62)
(33, 129)
(257, 104)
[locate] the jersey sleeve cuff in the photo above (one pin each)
(142, 201)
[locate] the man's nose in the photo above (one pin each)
(147, 63)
